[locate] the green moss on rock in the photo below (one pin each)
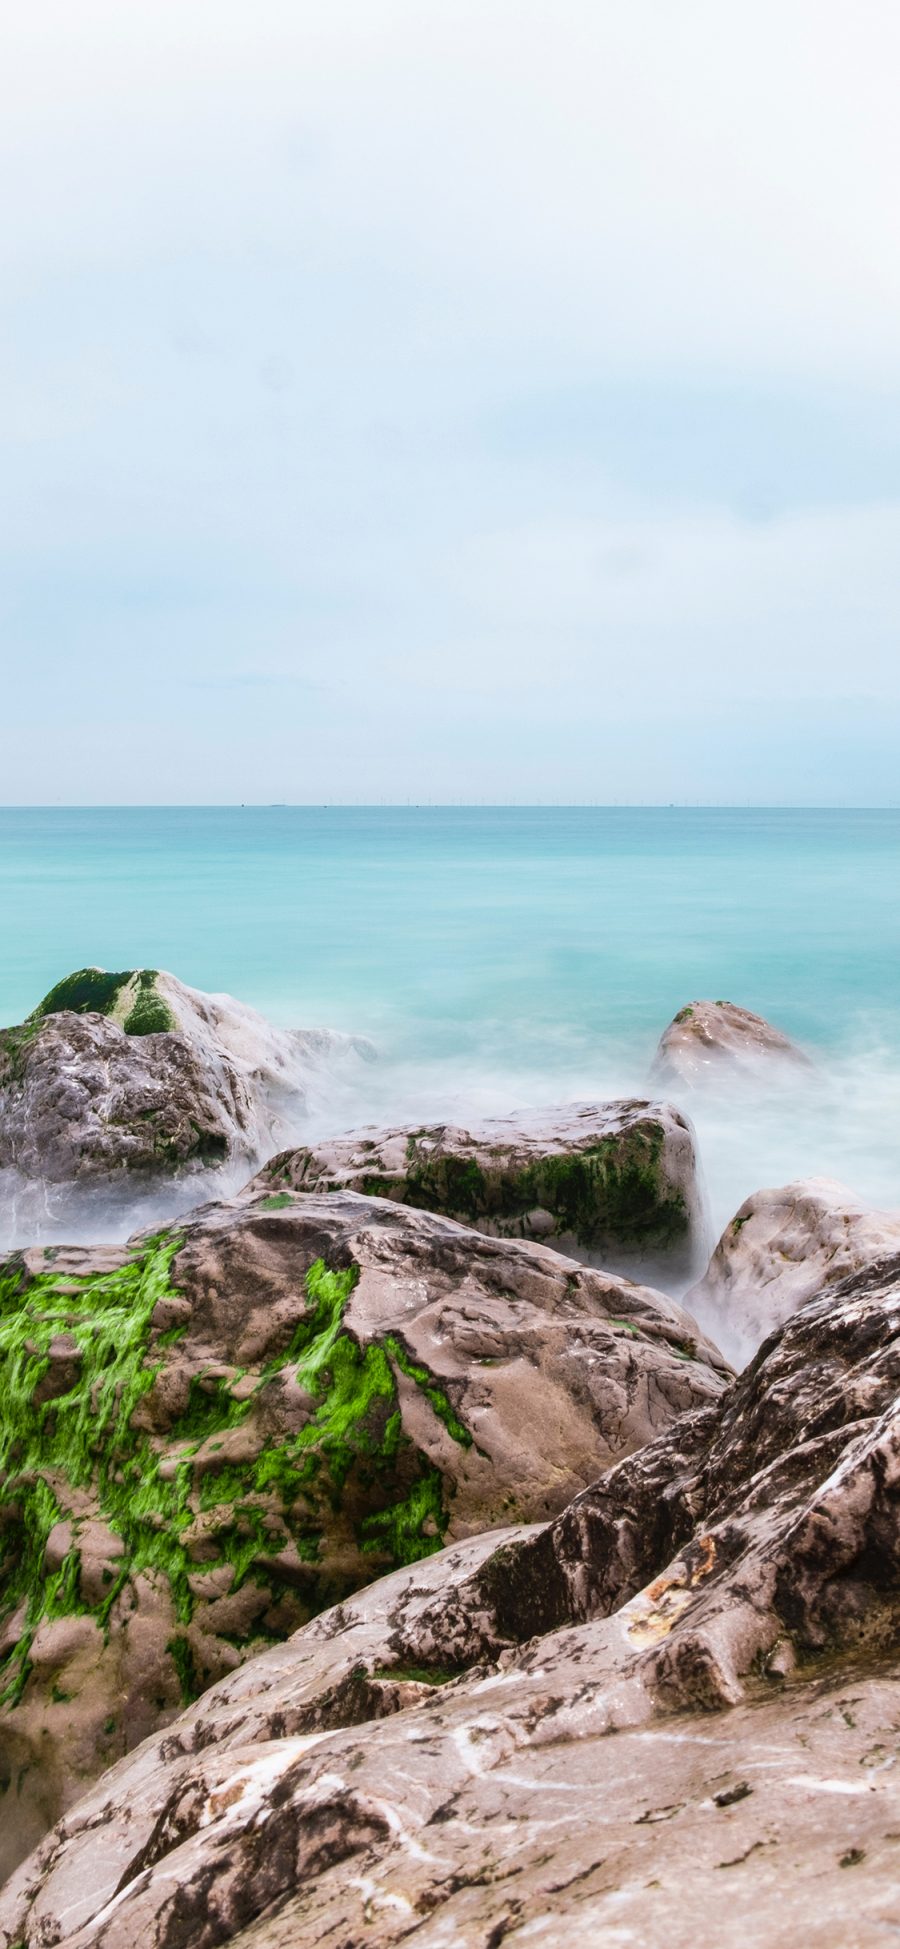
(434, 1394)
(130, 997)
(149, 1014)
(171, 1502)
(615, 1188)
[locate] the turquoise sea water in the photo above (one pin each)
(501, 956)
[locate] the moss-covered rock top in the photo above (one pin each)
(131, 999)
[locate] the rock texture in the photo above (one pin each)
(207, 1437)
(709, 1041)
(135, 1074)
(782, 1249)
(602, 1182)
(669, 1716)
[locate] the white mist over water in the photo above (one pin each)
(840, 1119)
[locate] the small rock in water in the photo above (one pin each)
(707, 1041)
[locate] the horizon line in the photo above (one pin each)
(445, 805)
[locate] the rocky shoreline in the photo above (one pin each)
(377, 1563)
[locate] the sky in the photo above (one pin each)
(489, 401)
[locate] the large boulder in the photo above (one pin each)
(135, 1075)
(609, 1183)
(782, 1249)
(667, 1716)
(208, 1436)
(708, 1042)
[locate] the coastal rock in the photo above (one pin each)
(709, 1040)
(782, 1249)
(136, 1075)
(673, 1704)
(607, 1183)
(208, 1436)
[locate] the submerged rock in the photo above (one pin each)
(601, 1182)
(137, 1075)
(709, 1040)
(208, 1436)
(669, 1715)
(781, 1250)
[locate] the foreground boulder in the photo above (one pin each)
(135, 1074)
(707, 1041)
(667, 1716)
(782, 1249)
(610, 1182)
(207, 1437)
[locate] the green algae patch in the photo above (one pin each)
(413, 1528)
(78, 1353)
(182, 1657)
(614, 1189)
(439, 1401)
(279, 1201)
(90, 991)
(14, 1046)
(59, 1438)
(149, 1014)
(130, 998)
(457, 1185)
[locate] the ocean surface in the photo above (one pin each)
(505, 957)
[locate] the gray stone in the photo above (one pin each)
(712, 1042)
(782, 1249)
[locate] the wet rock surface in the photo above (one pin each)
(670, 1715)
(600, 1181)
(780, 1250)
(137, 1075)
(708, 1042)
(210, 1434)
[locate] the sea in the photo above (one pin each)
(501, 957)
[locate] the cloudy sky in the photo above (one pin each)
(496, 400)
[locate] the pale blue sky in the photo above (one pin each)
(496, 400)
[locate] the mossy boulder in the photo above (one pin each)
(133, 1076)
(208, 1437)
(611, 1183)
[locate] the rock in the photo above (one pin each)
(610, 1183)
(667, 1716)
(782, 1249)
(136, 1075)
(711, 1040)
(272, 1406)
